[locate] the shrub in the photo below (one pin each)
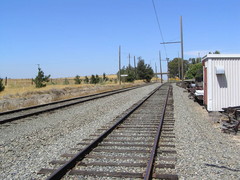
(97, 79)
(104, 77)
(77, 79)
(40, 80)
(93, 80)
(86, 80)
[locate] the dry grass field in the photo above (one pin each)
(17, 87)
(20, 93)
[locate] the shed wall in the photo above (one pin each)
(223, 89)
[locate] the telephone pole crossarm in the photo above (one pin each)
(181, 42)
(170, 42)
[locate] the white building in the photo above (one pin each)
(221, 81)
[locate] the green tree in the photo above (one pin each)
(105, 78)
(77, 79)
(93, 80)
(173, 67)
(2, 87)
(144, 71)
(130, 74)
(97, 79)
(86, 80)
(195, 71)
(194, 60)
(198, 60)
(41, 80)
(216, 52)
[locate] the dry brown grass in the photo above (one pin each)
(17, 92)
(16, 87)
(22, 93)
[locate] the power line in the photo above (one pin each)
(159, 27)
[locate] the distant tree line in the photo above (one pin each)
(40, 80)
(141, 72)
(94, 79)
(192, 68)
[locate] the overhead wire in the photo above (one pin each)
(159, 27)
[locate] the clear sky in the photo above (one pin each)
(70, 37)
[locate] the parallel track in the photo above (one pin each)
(137, 145)
(13, 115)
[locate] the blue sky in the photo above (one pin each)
(70, 37)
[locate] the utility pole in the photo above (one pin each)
(179, 71)
(129, 64)
(181, 30)
(199, 57)
(6, 81)
(156, 70)
(119, 61)
(181, 41)
(135, 68)
(167, 69)
(160, 59)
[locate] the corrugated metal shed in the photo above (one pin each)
(221, 77)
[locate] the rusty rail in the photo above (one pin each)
(59, 173)
(57, 105)
(148, 174)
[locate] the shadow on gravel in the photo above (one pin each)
(224, 167)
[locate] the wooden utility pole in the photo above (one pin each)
(167, 59)
(129, 63)
(160, 59)
(179, 71)
(156, 70)
(5, 81)
(119, 61)
(181, 42)
(181, 30)
(135, 69)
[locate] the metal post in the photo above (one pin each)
(181, 30)
(119, 58)
(160, 59)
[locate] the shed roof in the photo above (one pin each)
(219, 56)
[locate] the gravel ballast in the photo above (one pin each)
(204, 152)
(29, 145)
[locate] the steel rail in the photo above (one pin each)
(65, 100)
(148, 173)
(60, 172)
(94, 96)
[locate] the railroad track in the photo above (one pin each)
(139, 144)
(13, 115)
